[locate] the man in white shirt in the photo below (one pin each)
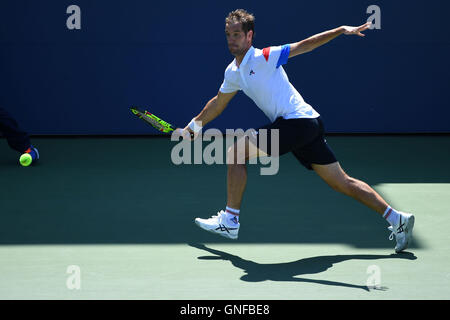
(259, 73)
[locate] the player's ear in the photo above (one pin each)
(250, 35)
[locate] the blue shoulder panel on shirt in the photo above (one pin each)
(284, 56)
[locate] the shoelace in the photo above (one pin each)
(221, 212)
(391, 236)
(399, 230)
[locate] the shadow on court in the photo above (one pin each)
(256, 272)
(127, 191)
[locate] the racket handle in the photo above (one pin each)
(180, 129)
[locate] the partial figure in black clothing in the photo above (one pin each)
(17, 138)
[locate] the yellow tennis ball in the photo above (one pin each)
(25, 159)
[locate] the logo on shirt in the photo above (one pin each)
(252, 72)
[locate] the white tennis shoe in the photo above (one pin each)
(219, 225)
(402, 231)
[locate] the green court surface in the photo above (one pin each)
(112, 218)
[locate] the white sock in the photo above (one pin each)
(392, 216)
(232, 215)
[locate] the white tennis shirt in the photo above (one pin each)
(262, 78)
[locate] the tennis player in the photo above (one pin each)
(259, 73)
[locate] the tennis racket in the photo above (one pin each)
(153, 120)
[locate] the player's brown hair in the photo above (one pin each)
(246, 19)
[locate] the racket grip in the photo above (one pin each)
(192, 134)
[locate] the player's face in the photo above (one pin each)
(238, 41)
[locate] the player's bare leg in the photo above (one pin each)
(402, 223)
(226, 223)
(336, 178)
(236, 182)
(237, 156)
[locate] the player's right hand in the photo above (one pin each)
(185, 133)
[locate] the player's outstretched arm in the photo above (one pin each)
(212, 110)
(214, 107)
(319, 39)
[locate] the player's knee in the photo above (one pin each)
(235, 155)
(231, 155)
(345, 185)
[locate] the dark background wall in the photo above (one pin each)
(169, 57)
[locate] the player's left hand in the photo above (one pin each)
(356, 30)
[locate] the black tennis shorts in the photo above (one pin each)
(305, 138)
